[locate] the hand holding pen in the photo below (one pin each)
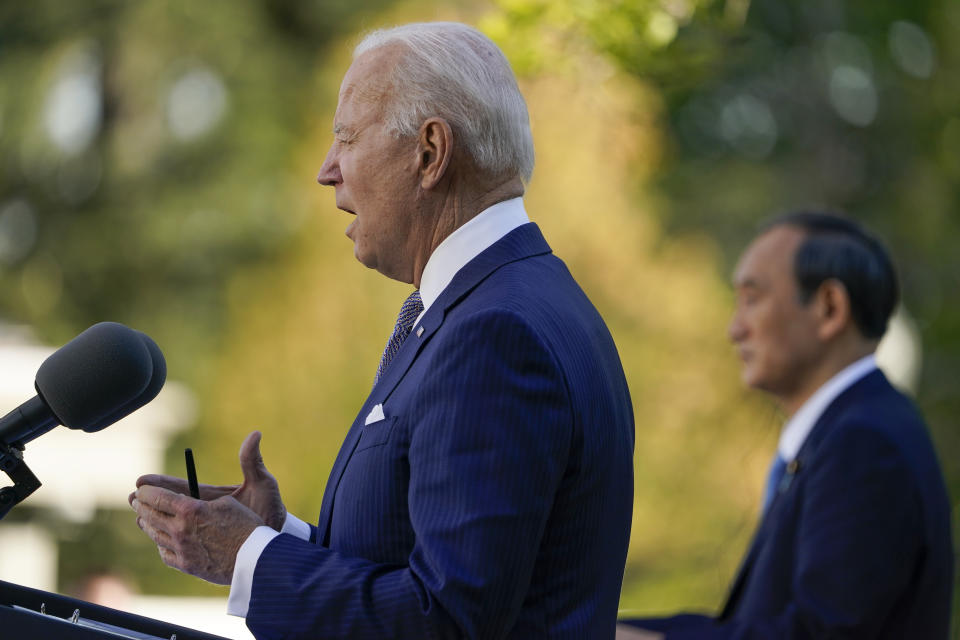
(201, 536)
(259, 490)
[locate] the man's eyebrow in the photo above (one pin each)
(343, 131)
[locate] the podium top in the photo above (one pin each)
(32, 611)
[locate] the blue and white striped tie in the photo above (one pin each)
(411, 308)
(774, 478)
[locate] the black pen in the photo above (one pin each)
(192, 474)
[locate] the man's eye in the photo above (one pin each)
(747, 297)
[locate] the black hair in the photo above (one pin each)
(836, 247)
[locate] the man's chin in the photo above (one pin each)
(751, 380)
(362, 259)
(368, 261)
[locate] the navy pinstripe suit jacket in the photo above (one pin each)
(856, 544)
(495, 499)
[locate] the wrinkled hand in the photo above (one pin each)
(198, 537)
(259, 491)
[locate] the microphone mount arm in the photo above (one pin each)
(24, 482)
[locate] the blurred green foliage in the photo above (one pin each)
(146, 151)
(664, 131)
(146, 156)
(767, 105)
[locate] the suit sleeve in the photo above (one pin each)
(488, 447)
(857, 546)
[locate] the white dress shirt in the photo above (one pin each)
(456, 250)
(796, 430)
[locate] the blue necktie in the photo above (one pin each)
(774, 478)
(411, 308)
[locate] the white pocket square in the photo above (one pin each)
(375, 415)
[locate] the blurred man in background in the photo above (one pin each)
(485, 489)
(854, 539)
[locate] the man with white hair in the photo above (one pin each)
(485, 489)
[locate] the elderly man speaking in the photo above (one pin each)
(485, 488)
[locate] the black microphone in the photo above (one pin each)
(99, 377)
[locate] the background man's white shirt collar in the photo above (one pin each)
(797, 429)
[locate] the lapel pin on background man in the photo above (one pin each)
(485, 489)
(854, 539)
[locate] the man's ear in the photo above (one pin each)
(435, 150)
(833, 310)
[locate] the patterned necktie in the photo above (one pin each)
(412, 307)
(774, 479)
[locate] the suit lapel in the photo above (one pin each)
(746, 566)
(346, 450)
(523, 242)
(806, 457)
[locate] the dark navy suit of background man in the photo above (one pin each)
(854, 541)
(485, 489)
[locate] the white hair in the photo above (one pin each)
(452, 71)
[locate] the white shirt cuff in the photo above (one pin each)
(296, 527)
(241, 585)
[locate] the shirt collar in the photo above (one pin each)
(466, 243)
(797, 429)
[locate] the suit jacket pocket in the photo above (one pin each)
(376, 433)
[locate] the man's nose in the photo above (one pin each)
(329, 174)
(737, 329)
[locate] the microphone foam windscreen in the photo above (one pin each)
(95, 375)
(150, 391)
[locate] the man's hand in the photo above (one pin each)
(626, 632)
(198, 537)
(259, 491)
